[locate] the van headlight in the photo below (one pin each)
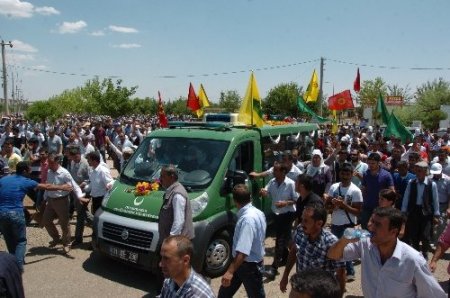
(199, 204)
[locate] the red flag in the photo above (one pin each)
(341, 101)
(161, 115)
(357, 82)
(192, 101)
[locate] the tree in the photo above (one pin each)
(230, 101)
(177, 107)
(282, 100)
(429, 98)
(370, 90)
(109, 98)
(146, 106)
(41, 110)
(95, 97)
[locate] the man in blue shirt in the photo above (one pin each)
(13, 189)
(374, 180)
(248, 248)
(401, 179)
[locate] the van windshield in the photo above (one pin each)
(197, 160)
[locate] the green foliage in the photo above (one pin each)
(109, 98)
(429, 98)
(370, 90)
(41, 110)
(143, 106)
(230, 101)
(406, 114)
(95, 97)
(282, 100)
(177, 107)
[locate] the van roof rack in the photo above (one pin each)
(201, 125)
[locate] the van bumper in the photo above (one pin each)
(128, 240)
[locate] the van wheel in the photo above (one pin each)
(218, 255)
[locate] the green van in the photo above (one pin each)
(211, 157)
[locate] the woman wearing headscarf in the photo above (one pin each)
(320, 173)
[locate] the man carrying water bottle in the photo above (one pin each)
(390, 267)
(346, 200)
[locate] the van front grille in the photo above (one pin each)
(127, 236)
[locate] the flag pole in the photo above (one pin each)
(251, 97)
(321, 85)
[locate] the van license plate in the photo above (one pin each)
(123, 254)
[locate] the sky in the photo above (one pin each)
(165, 45)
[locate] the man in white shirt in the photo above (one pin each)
(86, 147)
(281, 190)
(54, 142)
(346, 200)
(292, 170)
(58, 202)
(390, 267)
(100, 180)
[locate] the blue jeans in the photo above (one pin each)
(338, 231)
(249, 274)
(13, 228)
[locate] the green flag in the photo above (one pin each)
(382, 110)
(304, 108)
(397, 129)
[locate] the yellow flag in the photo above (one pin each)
(250, 112)
(204, 102)
(312, 92)
(334, 127)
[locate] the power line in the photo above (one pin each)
(387, 67)
(265, 68)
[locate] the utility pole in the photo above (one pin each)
(13, 95)
(321, 84)
(5, 88)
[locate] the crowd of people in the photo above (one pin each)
(398, 192)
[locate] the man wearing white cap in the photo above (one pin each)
(421, 205)
(443, 158)
(443, 186)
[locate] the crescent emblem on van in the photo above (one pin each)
(136, 202)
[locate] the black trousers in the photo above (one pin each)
(283, 229)
(96, 203)
(418, 229)
(249, 274)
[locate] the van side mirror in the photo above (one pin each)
(232, 178)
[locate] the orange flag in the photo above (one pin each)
(161, 115)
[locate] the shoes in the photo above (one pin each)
(350, 277)
(76, 242)
(66, 249)
(271, 273)
(283, 262)
(54, 242)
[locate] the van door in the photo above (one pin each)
(245, 157)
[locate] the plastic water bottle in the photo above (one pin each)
(351, 233)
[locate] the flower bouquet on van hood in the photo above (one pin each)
(144, 188)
